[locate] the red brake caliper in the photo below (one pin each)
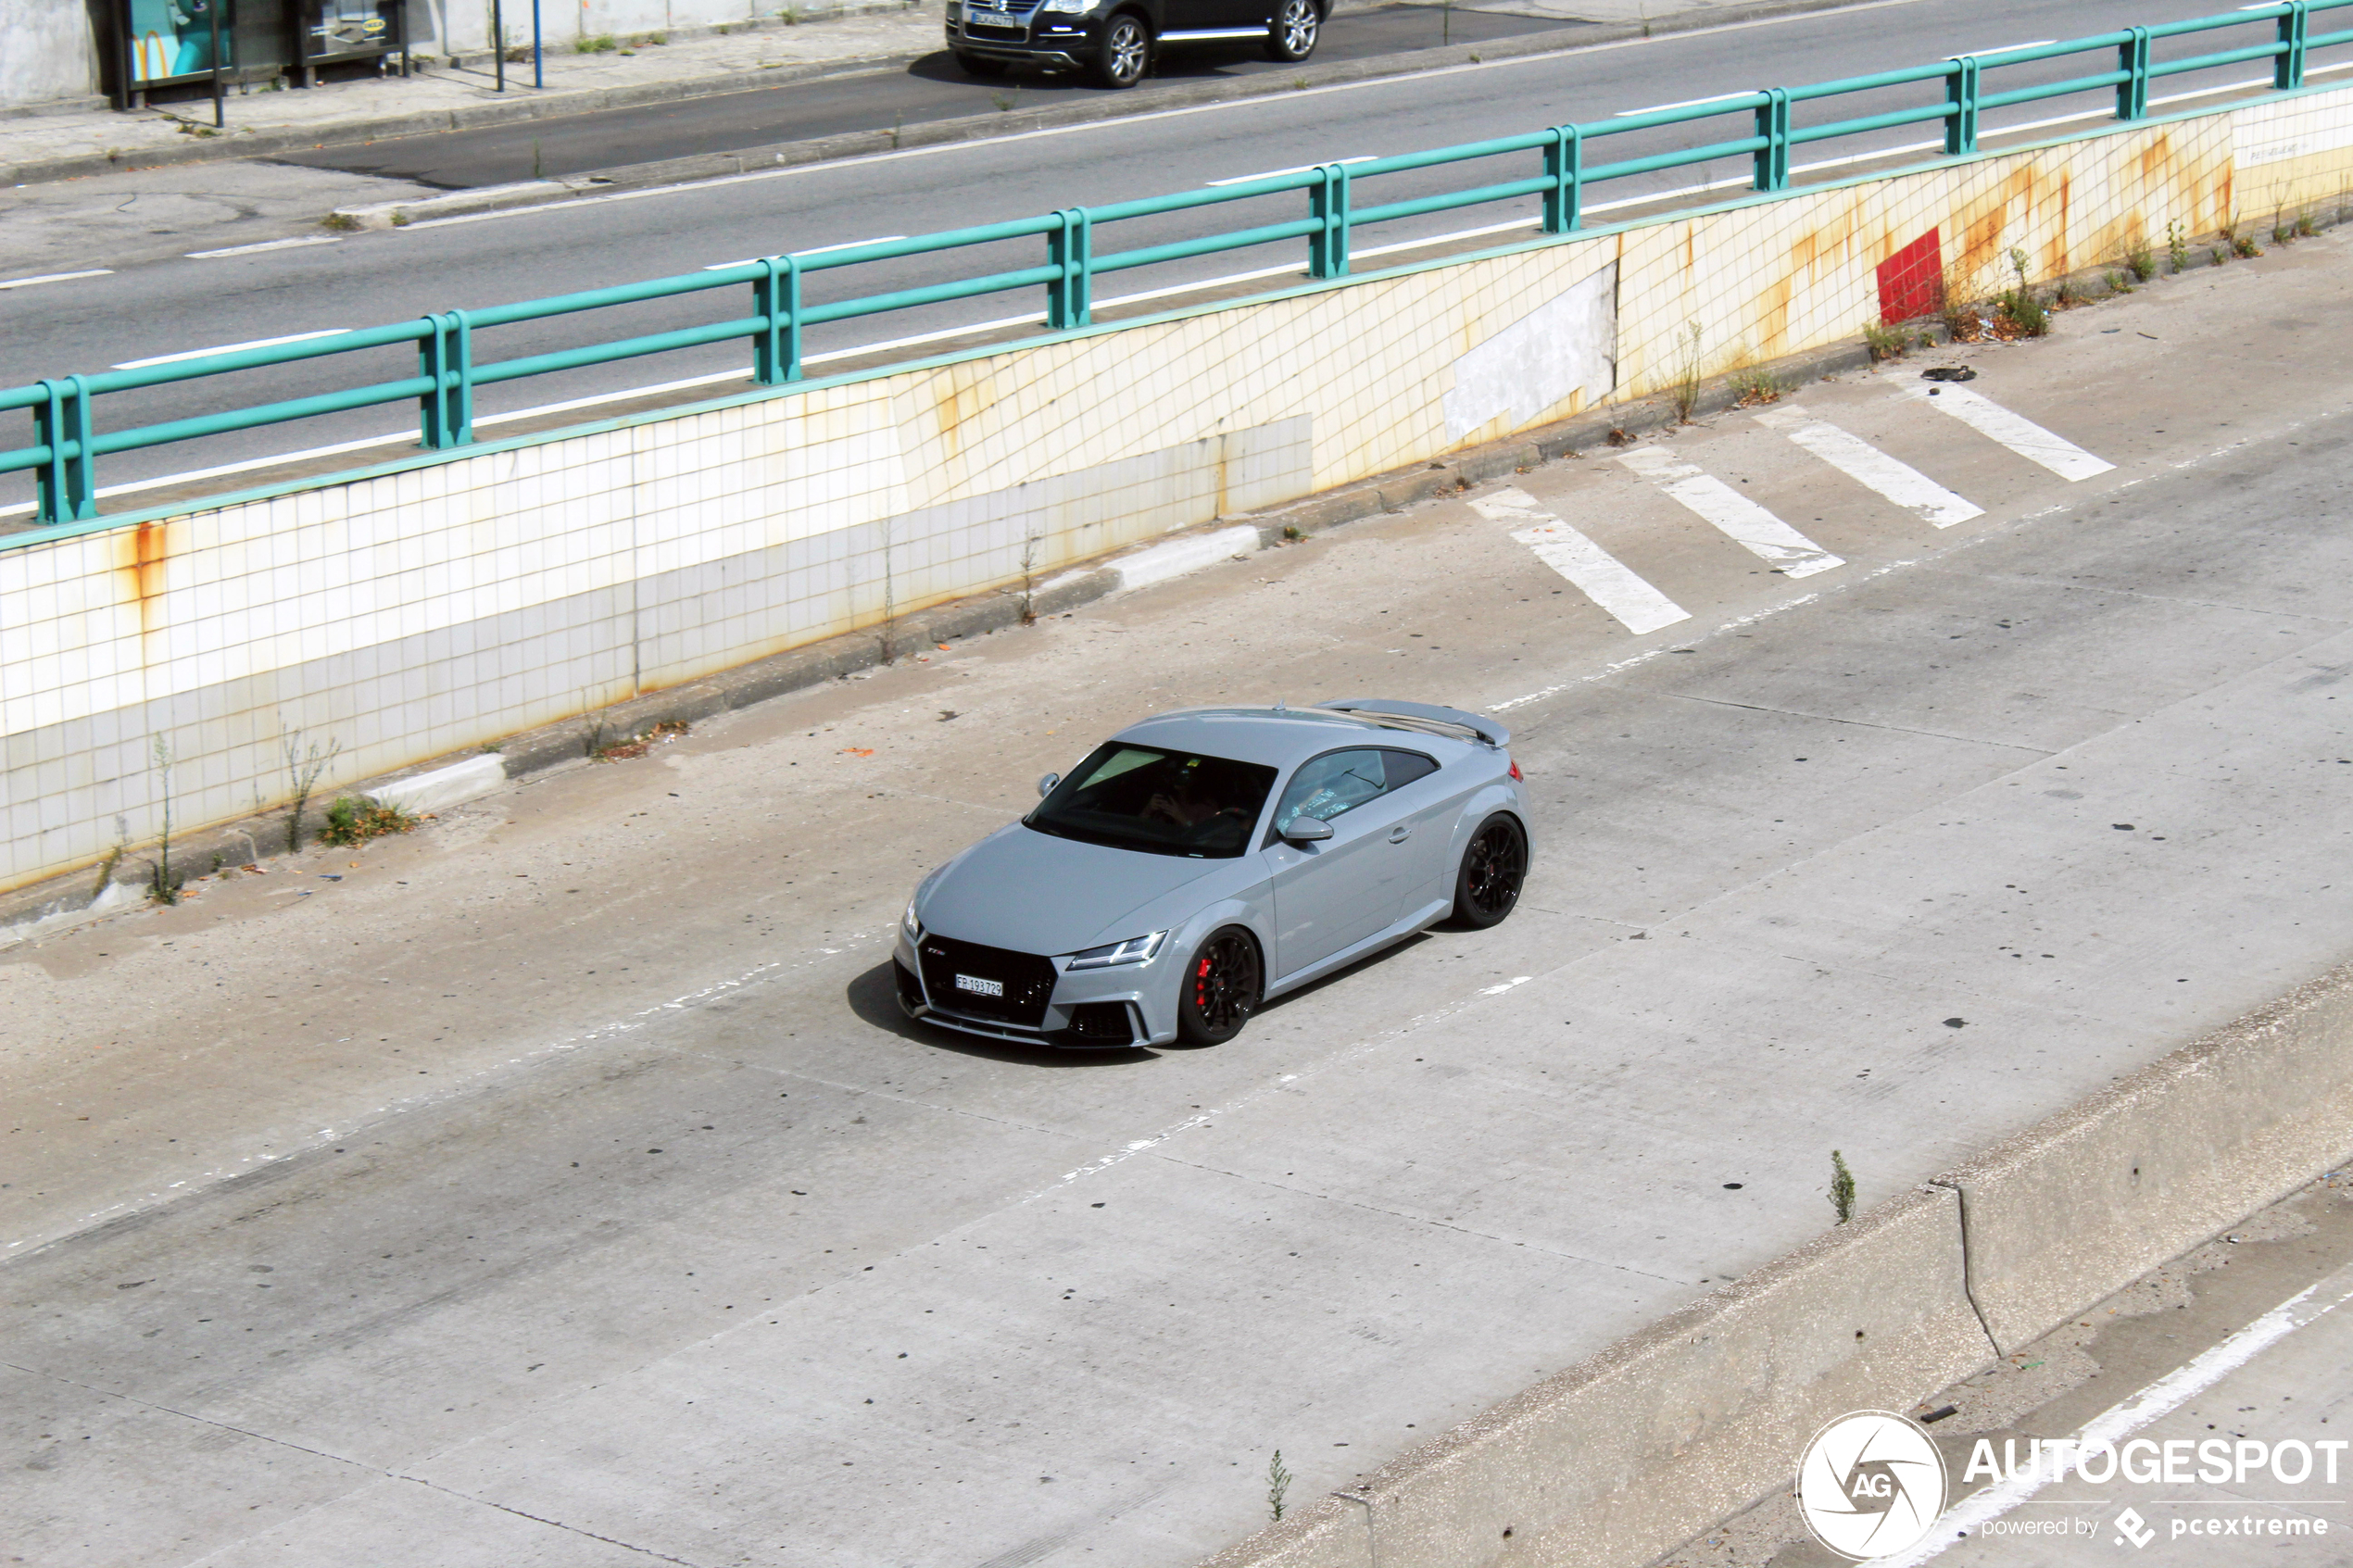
(1201, 984)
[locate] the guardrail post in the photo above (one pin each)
(1772, 124)
(2287, 67)
(67, 484)
(775, 299)
(1070, 250)
(2133, 93)
(1960, 118)
(445, 356)
(1565, 167)
(1328, 246)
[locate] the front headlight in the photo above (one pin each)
(908, 924)
(1068, 7)
(1136, 949)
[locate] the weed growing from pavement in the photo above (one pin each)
(2120, 283)
(1885, 342)
(352, 821)
(1006, 101)
(342, 222)
(163, 884)
(1842, 1187)
(2143, 261)
(306, 764)
(2304, 228)
(1277, 1484)
(2177, 248)
(2018, 308)
(1753, 385)
(1687, 380)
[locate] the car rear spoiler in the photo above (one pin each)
(1487, 730)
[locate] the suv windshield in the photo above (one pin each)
(1163, 802)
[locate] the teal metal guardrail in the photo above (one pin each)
(66, 443)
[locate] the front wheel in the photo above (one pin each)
(1493, 867)
(1292, 35)
(1222, 982)
(1127, 51)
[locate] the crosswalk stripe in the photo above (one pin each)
(2016, 431)
(1599, 575)
(1867, 465)
(1740, 519)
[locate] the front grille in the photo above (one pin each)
(1025, 981)
(1102, 1023)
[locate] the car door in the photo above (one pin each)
(1422, 806)
(1205, 19)
(1335, 892)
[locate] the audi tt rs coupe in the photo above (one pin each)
(1197, 863)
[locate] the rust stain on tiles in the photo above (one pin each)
(141, 555)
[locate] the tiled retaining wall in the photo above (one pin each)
(444, 602)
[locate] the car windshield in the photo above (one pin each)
(1163, 802)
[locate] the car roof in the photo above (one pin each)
(1278, 738)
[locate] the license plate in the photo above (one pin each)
(978, 986)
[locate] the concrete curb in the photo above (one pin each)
(859, 144)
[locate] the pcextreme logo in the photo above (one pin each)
(1870, 1484)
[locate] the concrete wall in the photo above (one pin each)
(445, 601)
(46, 52)
(1619, 1460)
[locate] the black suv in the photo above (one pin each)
(1113, 41)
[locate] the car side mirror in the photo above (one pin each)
(1307, 830)
(1046, 784)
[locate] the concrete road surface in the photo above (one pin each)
(556, 1184)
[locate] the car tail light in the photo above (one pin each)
(1516, 778)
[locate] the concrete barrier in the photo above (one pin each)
(1624, 1457)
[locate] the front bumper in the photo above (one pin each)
(1088, 1010)
(1055, 39)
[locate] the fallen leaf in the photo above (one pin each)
(857, 751)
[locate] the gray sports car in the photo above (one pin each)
(1203, 861)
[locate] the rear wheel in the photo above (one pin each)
(1127, 51)
(973, 65)
(1494, 865)
(1222, 982)
(1293, 36)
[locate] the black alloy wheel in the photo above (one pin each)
(1293, 36)
(1128, 52)
(1221, 987)
(974, 65)
(1493, 867)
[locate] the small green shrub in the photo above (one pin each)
(2177, 248)
(354, 820)
(1884, 342)
(603, 43)
(2142, 263)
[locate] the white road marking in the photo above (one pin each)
(1278, 173)
(818, 250)
(1867, 465)
(55, 278)
(2136, 1410)
(2016, 431)
(230, 349)
(2005, 49)
(1599, 575)
(1685, 103)
(1738, 518)
(266, 245)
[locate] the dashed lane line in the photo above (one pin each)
(1599, 575)
(1734, 514)
(2016, 431)
(1867, 465)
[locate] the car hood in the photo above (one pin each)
(1035, 893)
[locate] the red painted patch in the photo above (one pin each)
(1911, 282)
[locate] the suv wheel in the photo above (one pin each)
(1293, 36)
(1126, 53)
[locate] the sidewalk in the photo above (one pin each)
(862, 34)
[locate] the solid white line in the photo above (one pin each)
(229, 348)
(1276, 173)
(1599, 575)
(820, 250)
(55, 278)
(266, 245)
(2005, 49)
(1685, 103)
(2016, 431)
(2136, 1410)
(1866, 464)
(1734, 514)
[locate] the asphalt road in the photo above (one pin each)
(667, 1236)
(178, 304)
(932, 89)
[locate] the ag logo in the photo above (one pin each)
(1870, 1484)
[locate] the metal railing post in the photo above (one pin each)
(775, 299)
(1960, 92)
(1772, 124)
(2287, 67)
(1565, 167)
(1328, 246)
(67, 484)
(445, 358)
(1070, 249)
(2132, 94)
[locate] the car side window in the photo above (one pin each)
(1333, 785)
(1404, 767)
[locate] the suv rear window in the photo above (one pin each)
(1162, 802)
